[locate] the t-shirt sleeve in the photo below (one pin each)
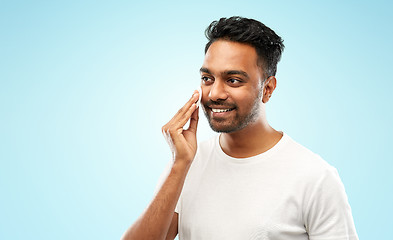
(328, 214)
(161, 181)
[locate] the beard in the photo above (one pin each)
(236, 122)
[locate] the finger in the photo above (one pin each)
(194, 121)
(176, 129)
(185, 117)
(186, 107)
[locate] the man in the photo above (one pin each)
(251, 181)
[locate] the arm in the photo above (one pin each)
(158, 220)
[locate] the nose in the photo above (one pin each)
(217, 91)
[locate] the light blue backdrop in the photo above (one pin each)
(87, 85)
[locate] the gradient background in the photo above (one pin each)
(86, 86)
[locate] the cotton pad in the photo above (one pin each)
(200, 96)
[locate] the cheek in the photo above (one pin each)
(245, 100)
(204, 94)
(239, 96)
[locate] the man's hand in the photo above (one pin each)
(159, 221)
(183, 142)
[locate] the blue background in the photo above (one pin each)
(87, 85)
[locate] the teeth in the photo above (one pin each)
(220, 110)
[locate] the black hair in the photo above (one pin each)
(266, 42)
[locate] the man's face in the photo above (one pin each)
(231, 86)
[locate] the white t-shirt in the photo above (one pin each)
(285, 193)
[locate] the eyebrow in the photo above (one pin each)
(229, 72)
(203, 69)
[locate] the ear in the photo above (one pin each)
(268, 87)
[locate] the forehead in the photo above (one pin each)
(228, 55)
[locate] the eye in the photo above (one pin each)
(234, 81)
(206, 80)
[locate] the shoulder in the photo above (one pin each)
(326, 210)
(303, 156)
(315, 174)
(305, 163)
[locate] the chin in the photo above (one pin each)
(221, 128)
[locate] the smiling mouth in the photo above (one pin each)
(216, 110)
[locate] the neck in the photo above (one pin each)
(254, 139)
